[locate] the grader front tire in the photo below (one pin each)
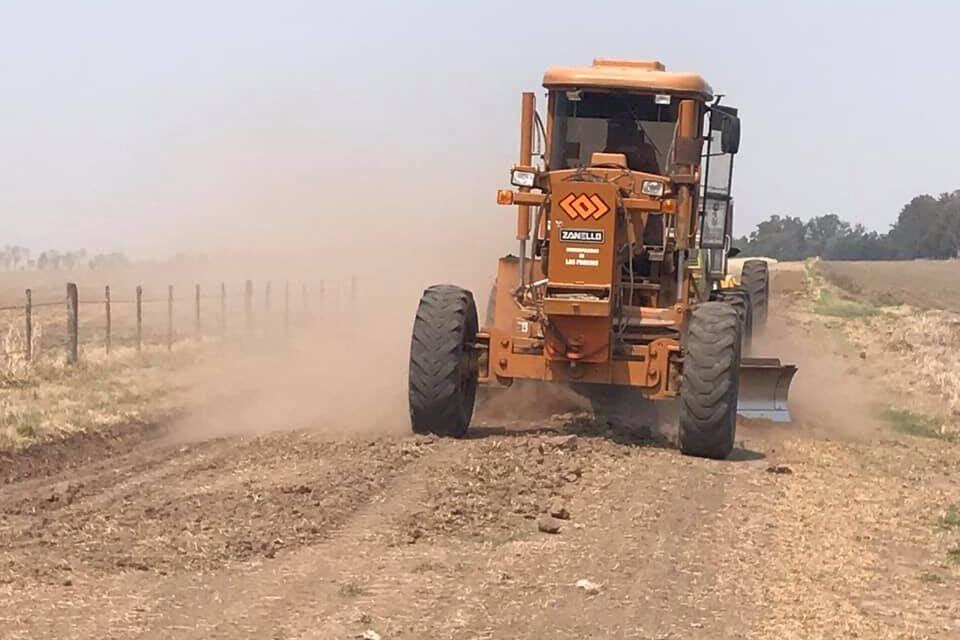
(443, 362)
(710, 382)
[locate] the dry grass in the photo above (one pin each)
(50, 399)
(949, 519)
(921, 344)
(918, 346)
(45, 398)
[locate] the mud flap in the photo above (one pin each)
(765, 388)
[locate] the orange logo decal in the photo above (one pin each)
(584, 206)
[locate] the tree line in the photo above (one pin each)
(927, 227)
(17, 258)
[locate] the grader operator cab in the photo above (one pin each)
(621, 285)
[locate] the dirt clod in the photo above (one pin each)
(588, 586)
(549, 524)
(559, 510)
(566, 443)
(780, 469)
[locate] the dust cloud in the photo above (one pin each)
(827, 397)
(367, 229)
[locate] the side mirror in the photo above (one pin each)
(730, 142)
(727, 122)
(733, 252)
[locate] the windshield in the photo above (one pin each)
(632, 124)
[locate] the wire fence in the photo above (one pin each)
(111, 318)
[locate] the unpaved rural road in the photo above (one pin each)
(824, 529)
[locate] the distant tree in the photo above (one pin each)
(859, 244)
(19, 255)
(820, 231)
(913, 233)
(109, 261)
(927, 227)
(947, 229)
(781, 237)
(49, 260)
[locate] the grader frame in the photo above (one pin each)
(624, 215)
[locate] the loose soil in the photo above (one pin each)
(832, 527)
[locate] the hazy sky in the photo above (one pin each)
(148, 126)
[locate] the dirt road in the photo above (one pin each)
(831, 528)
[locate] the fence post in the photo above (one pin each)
(170, 318)
(248, 303)
(73, 313)
(223, 308)
(286, 308)
(353, 293)
(305, 299)
(108, 327)
(139, 318)
(28, 318)
(267, 294)
(196, 318)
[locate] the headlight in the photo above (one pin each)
(652, 188)
(520, 178)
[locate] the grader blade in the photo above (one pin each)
(764, 389)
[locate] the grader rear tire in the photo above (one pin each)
(739, 298)
(443, 362)
(711, 381)
(755, 278)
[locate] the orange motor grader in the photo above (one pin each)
(624, 223)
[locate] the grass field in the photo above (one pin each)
(926, 284)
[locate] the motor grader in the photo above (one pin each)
(620, 288)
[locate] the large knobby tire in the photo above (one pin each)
(739, 298)
(755, 278)
(711, 381)
(443, 362)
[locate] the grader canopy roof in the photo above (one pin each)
(638, 75)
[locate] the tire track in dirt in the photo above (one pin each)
(231, 503)
(372, 571)
(314, 591)
(638, 526)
